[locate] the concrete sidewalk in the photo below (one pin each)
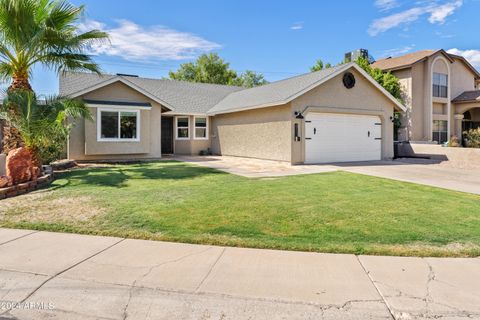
(68, 276)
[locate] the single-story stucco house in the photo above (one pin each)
(334, 115)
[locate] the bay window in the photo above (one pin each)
(201, 128)
(118, 125)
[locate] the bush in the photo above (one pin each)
(206, 152)
(454, 142)
(472, 138)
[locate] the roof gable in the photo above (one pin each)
(284, 91)
(178, 96)
(407, 60)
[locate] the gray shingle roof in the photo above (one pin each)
(468, 96)
(273, 93)
(184, 97)
(202, 98)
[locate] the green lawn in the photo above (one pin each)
(327, 212)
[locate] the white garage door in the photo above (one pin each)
(342, 138)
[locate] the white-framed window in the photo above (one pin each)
(201, 128)
(118, 124)
(440, 131)
(183, 128)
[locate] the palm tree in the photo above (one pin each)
(42, 32)
(40, 123)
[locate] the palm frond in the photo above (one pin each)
(45, 32)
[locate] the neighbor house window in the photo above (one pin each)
(440, 85)
(440, 131)
(182, 128)
(118, 125)
(201, 129)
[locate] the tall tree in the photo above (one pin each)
(41, 32)
(388, 81)
(208, 68)
(250, 79)
(319, 65)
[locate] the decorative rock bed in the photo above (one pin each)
(28, 186)
(21, 176)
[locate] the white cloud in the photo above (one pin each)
(133, 42)
(437, 14)
(472, 55)
(386, 23)
(397, 51)
(385, 5)
(297, 26)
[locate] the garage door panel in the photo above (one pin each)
(341, 138)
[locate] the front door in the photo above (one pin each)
(167, 135)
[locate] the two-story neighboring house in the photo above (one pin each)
(441, 93)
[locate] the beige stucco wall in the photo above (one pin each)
(462, 78)
(261, 133)
(405, 79)
(440, 66)
(333, 97)
(191, 146)
(420, 89)
(83, 144)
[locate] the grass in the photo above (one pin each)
(328, 212)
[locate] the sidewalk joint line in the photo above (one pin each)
(376, 288)
(61, 272)
(25, 235)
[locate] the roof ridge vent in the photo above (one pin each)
(127, 75)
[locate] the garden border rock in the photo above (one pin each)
(26, 187)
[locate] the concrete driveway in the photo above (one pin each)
(67, 276)
(416, 171)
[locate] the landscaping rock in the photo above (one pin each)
(63, 164)
(5, 181)
(19, 165)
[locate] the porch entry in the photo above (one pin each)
(167, 135)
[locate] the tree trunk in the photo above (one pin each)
(36, 160)
(20, 83)
(11, 138)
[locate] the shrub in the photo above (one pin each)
(472, 138)
(454, 142)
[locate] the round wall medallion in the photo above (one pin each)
(349, 80)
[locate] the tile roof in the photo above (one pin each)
(402, 61)
(468, 96)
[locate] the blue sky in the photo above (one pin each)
(278, 38)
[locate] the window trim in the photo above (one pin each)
(177, 127)
(195, 128)
(119, 111)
